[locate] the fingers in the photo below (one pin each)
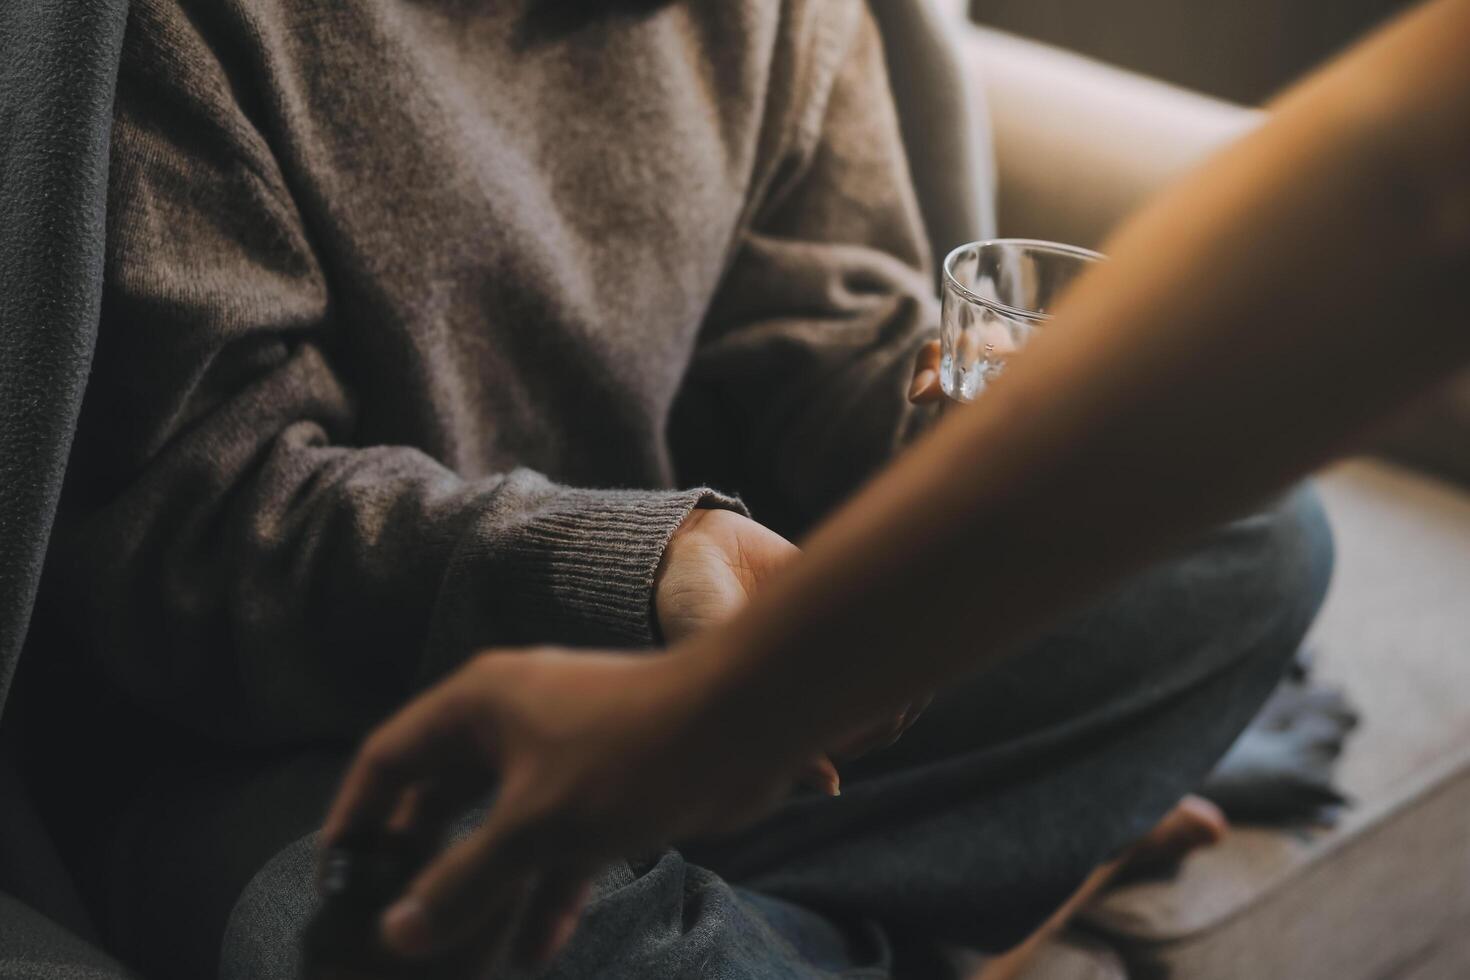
(881, 732)
(925, 388)
(531, 917)
(426, 738)
(887, 732)
(820, 774)
(551, 916)
(928, 357)
(426, 809)
(472, 889)
(916, 708)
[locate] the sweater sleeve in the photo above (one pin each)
(229, 553)
(799, 386)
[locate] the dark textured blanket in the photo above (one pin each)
(58, 66)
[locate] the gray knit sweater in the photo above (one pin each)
(419, 312)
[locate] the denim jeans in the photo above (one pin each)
(1017, 781)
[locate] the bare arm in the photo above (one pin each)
(1303, 283)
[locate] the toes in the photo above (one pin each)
(1195, 822)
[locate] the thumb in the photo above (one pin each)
(477, 886)
(819, 773)
(925, 388)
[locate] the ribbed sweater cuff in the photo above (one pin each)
(575, 568)
(589, 569)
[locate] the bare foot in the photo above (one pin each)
(1194, 822)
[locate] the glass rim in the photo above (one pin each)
(1037, 244)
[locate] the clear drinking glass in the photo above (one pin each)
(998, 293)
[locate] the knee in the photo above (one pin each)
(1299, 553)
(1245, 594)
(1319, 553)
(1285, 556)
(264, 930)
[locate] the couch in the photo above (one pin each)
(1245, 50)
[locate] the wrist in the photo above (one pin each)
(676, 540)
(732, 705)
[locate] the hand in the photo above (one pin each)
(597, 756)
(712, 565)
(925, 389)
(714, 562)
(877, 734)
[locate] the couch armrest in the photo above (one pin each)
(1078, 143)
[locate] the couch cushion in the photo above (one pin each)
(1450, 957)
(1385, 888)
(1074, 957)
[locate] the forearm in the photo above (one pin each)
(263, 580)
(273, 529)
(1239, 334)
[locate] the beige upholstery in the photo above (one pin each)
(1072, 956)
(1448, 958)
(1244, 50)
(1080, 144)
(1387, 893)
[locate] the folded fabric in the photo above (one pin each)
(1282, 766)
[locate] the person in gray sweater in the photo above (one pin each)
(1213, 359)
(434, 326)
